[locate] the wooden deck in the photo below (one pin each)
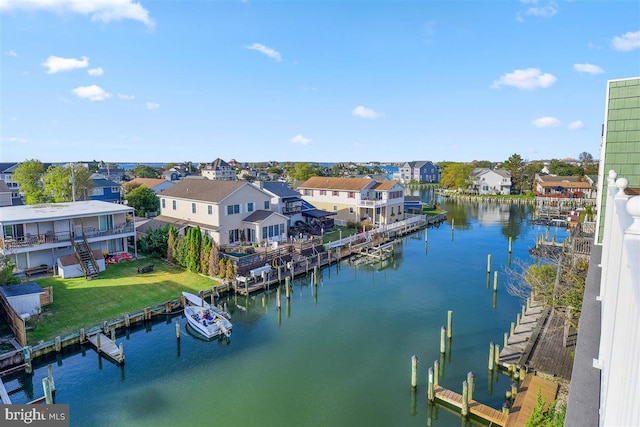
(107, 347)
(4, 395)
(484, 412)
(527, 397)
(548, 354)
(515, 351)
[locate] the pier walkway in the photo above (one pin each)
(526, 399)
(107, 347)
(520, 344)
(484, 412)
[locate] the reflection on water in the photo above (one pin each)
(336, 352)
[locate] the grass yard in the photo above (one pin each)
(80, 303)
(330, 236)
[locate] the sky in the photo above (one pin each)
(317, 81)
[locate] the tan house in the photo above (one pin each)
(230, 212)
(356, 199)
(581, 187)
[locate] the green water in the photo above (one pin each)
(336, 356)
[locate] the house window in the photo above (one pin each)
(266, 205)
(99, 191)
(173, 203)
(281, 229)
(335, 208)
(234, 235)
(391, 210)
(308, 192)
(233, 209)
(163, 204)
(352, 195)
(323, 192)
(210, 210)
(115, 189)
(271, 231)
(250, 207)
(193, 208)
(377, 211)
(105, 222)
(350, 210)
(336, 193)
(264, 233)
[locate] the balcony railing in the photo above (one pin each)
(52, 238)
(292, 210)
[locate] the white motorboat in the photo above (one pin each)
(207, 322)
(195, 300)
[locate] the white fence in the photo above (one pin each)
(619, 354)
(368, 235)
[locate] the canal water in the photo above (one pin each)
(336, 356)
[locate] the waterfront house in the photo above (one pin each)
(6, 174)
(35, 236)
(564, 186)
(230, 212)
(112, 174)
(284, 200)
(490, 181)
(219, 170)
(158, 185)
(5, 195)
(356, 199)
(418, 171)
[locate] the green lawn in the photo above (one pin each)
(80, 303)
(330, 236)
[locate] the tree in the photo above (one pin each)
(585, 158)
(155, 241)
(83, 182)
(143, 200)
(529, 173)
(128, 186)
(6, 272)
(560, 168)
(231, 272)
(28, 176)
(302, 171)
(515, 165)
(214, 260)
(222, 268)
(144, 171)
(57, 183)
(172, 236)
(456, 176)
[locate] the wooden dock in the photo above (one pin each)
(526, 399)
(107, 347)
(520, 344)
(484, 412)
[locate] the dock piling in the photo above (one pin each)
(465, 399)
(495, 281)
(471, 381)
(436, 372)
(52, 384)
(449, 323)
(177, 328)
(443, 333)
(513, 329)
(506, 339)
(58, 345)
(491, 355)
(431, 384)
(510, 243)
(278, 297)
(489, 264)
(48, 396)
(414, 372)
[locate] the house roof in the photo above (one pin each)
(100, 182)
(280, 189)
(317, 213)
(218, 164)
(333, 183)
(259, 215)
(72, 259)
(384, 185)
(23, 289)
(559, 178)
(148, 182)
(58, 211)
(161, 221)
(481, 171)
(412, 199)
(5, 166)
(204, 190)
(565, 184)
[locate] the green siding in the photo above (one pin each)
(622, 139)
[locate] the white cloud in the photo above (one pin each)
(152, 105)
(537, 8)
(10, 52)
(588, 68)
(123, 96)
(576, 125)
(55, 64)
(529, 78)
(14, 140)
(299, 139)
(92, 93)
(546, 122)
(271, 53)
(365, 113)
(98, 71)
(626, 42)
(99, 10)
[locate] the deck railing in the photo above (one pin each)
(51, 238)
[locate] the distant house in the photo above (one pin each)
(418, 171)
(356, 199)
(284, 200)
(228, 211)
(6, 174)
(105, 190)
(112, 174)
(219, 170)
(490, 181)
(35, 235)
(5, 194)
(564, 186)
(158, 185)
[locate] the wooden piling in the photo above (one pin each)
(113, 334)
(495, 281)
(443, 334)
(518, 320)
(127, 321)
(48, 396)
(414, 372)
(506, 339)
(510, 243)
(496, 354)
(431, 384)
(121, 353)
(278, 297)
(491, 356)
(167, 307)
(147, 313)
(287, 289)
(523, 311)
(82, 336)
(471, 380)
(98, 345)
(465, 399)
(436, 372)
(514, 390)
(177, 328)
(449, 323)
(489, 264)
(26, 354)
(58, 344)
(513, 329)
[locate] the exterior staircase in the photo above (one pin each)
(87, 260)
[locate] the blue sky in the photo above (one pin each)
(325, 81)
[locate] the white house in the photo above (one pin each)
(229, 212)
(491, 181)
(356, 199)
(36, 235)
(418, 171)
(219, 170)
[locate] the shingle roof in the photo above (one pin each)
(204, 190)
(384, 185)
(259, 215)
(332, 183)
(161, 221)
(148, 182)
(5, 166)
(72, 259)
(280, 189)
(558, 178)
(24, 289)
(99, 182)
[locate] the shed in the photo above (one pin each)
(24, 298)
(69, 265)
